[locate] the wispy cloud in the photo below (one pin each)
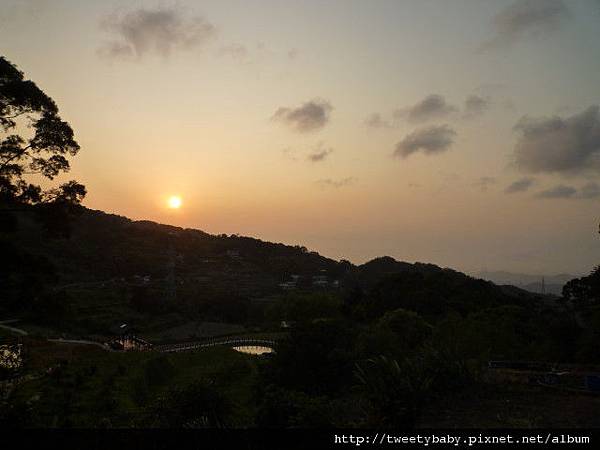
(590, 190)
(336, 184)
(560, 191)
(159, 31)
(475, 106)
(375, 120)
(430, 140)
(586, 192)
(310, 116)
(293, 53)
(525, 19)
(561, 145)
(433, 106)
(484, 183)
(320, 153)
(14, 11)
(521, 185)
(235, 51)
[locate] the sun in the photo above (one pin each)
(174, 202)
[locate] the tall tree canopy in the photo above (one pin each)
(34, 140)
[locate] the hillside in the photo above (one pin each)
(103, 246)
(384, 284)
(112, 269)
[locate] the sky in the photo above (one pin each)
(464, 133)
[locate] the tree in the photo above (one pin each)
(398, 333)
(43, 151)
(583, 291)
(197, 405)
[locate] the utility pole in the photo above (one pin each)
(170, 280)
(543, 286)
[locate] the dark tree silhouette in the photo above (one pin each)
(584, 291)
(34, 140)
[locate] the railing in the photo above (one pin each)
(232, 342)
(574, 378)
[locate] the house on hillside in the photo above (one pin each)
(288, 285)
(287, 324)
(291, 284)
(233, 254)
(320, 281)
(141, 280)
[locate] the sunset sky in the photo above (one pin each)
(464, 133)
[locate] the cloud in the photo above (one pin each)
(158, 31)
(336, 184)
(15, 11)
(484, 183)
(525, 19)
(475, 106)
(590, 190)
(235, 51)
(560, 191)
(521, 185)
(290, 153)
(311, 116)
(293, 53)
(433, 106)
(449, 177)
(376, 121)
(430, 140)
(557, 145)
(320, 153)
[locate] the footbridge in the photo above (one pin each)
(216, 342)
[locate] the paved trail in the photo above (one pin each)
(58, 341)
(83, 342)
(182, 347)
(13, 329)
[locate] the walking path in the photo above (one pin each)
(83, 342)
(13, 329)
(172, 348)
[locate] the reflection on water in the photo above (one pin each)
(253, 349)
(10, 356)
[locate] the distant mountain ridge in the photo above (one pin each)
(553, 284)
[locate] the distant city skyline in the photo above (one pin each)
(465, 133)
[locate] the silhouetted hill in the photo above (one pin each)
(103, 246)
(384, 284)
(112, 268)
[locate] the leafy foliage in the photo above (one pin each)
(25, 106)
(584, 291)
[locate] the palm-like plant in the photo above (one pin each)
(395, 390)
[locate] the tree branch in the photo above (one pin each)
(17, 155)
